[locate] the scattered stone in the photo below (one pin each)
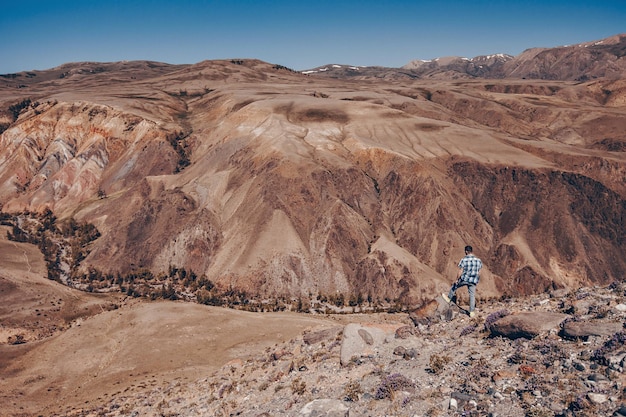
(597, 378)
(411, 354)
(597, 398)
(540, 376)
(616, 362)
(278, 354)
(407, 354)
(405, 332)
(453, 405)
(461, 396)
(399, 351)
(560, 293)
(500, 377)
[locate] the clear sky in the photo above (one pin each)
(300, 34)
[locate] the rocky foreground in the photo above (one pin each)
(557, 354)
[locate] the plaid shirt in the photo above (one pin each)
(471, 266)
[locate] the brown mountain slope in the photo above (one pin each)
(275, 183)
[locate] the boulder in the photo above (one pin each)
(325, 408)
(527, 324)
(584, 329)
(405, 332)
(364, 340)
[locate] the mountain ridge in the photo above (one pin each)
(595, 59)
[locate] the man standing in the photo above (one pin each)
(468, 275)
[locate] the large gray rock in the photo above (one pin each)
(584, 329)
(527, 325)
(325, 408)
(364, 340)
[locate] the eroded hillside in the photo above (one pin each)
(274, 183)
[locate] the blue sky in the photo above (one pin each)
(37, 35)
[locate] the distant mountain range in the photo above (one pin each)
(581, 62)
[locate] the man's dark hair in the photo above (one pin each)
(469, 249)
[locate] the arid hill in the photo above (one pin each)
(271, 183)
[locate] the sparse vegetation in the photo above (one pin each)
(179, 143)
(437, 363)
(493, 317)
(17, 108)
(468, 329)
(18, 339)
(352, 391)
(298, 386)
(64, 244)
(392, 383)
(282, 67)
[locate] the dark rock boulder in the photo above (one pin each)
(527, 325)
(584, 329)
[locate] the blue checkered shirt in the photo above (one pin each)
(471, 266)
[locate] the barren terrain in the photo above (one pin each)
(137, 197)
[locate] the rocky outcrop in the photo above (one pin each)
(527, 325)
(454, 367)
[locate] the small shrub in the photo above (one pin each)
(538, 411)
(493, 317)
(392, 383)
(550, 351)
(437, 363)
(467, 330)
(352, 391)
(615, 342)
(298, 386)
(18, 339)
